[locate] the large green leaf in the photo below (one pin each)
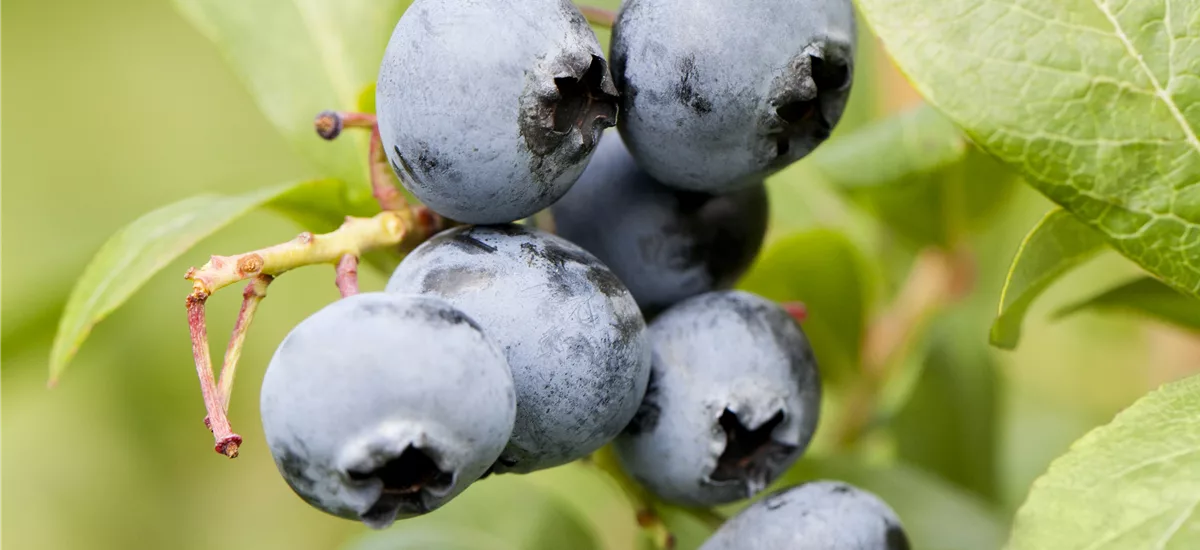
(502, 513)
(1057, 244)
(936, 515)
(824, 270)
(925, 179)
(139, 250)
(1134, 483)
(1095, 101)
(1146, 295)
(300, 57)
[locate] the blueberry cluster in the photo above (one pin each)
(500, 348)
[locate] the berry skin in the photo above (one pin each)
(490, 109)
(760, 88)
(821, 515)
(572, 333)
(384, 406)
(664, 244)
(733, 400)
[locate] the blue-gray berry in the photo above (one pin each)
(489, 109)
(733, 400)
(664, 244)
(572, 333)
(820, 515)
(761, 86)
(384, 406)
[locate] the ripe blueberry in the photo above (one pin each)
(385, 406)
(572, 333)
(760, 87)
(664, 244)
(733, 400)
(825, 515)
(490, 109)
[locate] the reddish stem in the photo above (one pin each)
(347, 275)
(382, 179)
(227, 442)
(255, 291)
(600, 17)
(797, 310)
(330, 124)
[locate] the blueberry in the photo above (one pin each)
(572, 333)
(490, 109)
(384, 406)
(733, 400)
(664, 244)
(761, 86)
(824, 515)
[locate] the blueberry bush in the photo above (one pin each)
(657, 274)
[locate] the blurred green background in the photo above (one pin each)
(114, 108)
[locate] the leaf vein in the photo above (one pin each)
(1149, 462)
(1159, 90)
(330, 53)
(1170, 534)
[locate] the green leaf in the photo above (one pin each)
(1148, 296)
(442, 537)
(319, 206)
(322, 209)
(30, 322)
(949, 425)
(1057, 244)
(1094, 101)
(139, 250)
(502, 513)
(824, 270)
(586, 487)
(1134, 483)
(366, 99)
(301, 57)
(925, 180)
(935, 514)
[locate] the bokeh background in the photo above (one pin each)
(114, 108)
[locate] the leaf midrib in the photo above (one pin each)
(331, 59)
(1159, 91)
(1170, 534)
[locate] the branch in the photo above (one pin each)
(402, 230)
(399, 226)
(387, 229)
